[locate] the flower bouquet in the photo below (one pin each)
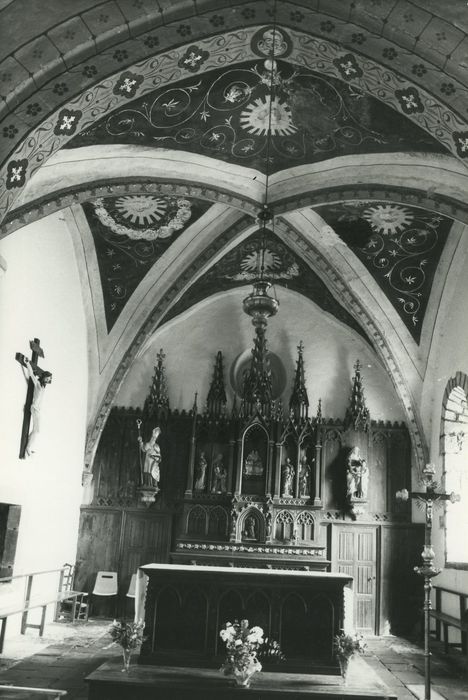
(242, 645)
(345, 646)
(129, 635)
(245, 649)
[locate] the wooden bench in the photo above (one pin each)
(15, 692)
(443, 620)
(64, 594)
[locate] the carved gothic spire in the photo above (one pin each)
(357, 414)
(257, 387)
(216, 399)
(299, 401)
(157, 401)
(319, 417)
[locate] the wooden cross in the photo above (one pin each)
(37, 352)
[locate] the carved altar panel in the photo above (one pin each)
(217, 523)
(197, 521)
(251, 525)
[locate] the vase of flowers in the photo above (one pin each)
(345, 646)
(129, 635)
(244, 648)
(242, 645)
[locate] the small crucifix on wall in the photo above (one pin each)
(37, 380)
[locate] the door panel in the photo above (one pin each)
(354, 552)
(146, 540)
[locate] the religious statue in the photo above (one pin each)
(234, 516)
(250, 531)
(40, 382)
(152, 451)
(200, 474)
(268, 519)
(253, 464)
(356, 474)
(304, 477)
(288, 477)
(218, 481)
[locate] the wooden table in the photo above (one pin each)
(108, 682)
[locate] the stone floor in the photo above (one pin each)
(68, 653)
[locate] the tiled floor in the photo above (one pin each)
(68, 653)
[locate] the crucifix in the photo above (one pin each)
(37, 379)
(427, 570)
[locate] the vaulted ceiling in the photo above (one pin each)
(146, 122)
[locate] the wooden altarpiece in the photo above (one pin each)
(259, 485)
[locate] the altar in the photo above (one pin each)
(184, 608)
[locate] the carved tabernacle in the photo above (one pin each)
(186, 606)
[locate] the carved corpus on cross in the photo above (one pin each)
(37, 380)
(428, 497)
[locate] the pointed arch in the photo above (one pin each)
(454, 451)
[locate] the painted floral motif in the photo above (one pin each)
(225, 114)
(348, 67)
(67, 122)
(16, 173)
(271, 41)
(461, 142)
(400, 246)
(144, 209)
(128, 84)
(193, 58)
(130, 234)
(409, 100)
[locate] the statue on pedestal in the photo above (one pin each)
(200, 474)
(250, 531)
(152, 451)
(288, 477)
(219, 476)
(357, 474)
(304, 477)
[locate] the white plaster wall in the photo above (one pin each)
(192, 340)
(449, 355)
(40, 296)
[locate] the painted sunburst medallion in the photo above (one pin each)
(142, 209)
(388, 219)
(269, 259)
(256, 117)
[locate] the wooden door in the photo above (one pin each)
(354, 552)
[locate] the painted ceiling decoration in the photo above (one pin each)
(308, 53)
(130, 233)
(284, 268)
(400, 246)
(225, 114)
